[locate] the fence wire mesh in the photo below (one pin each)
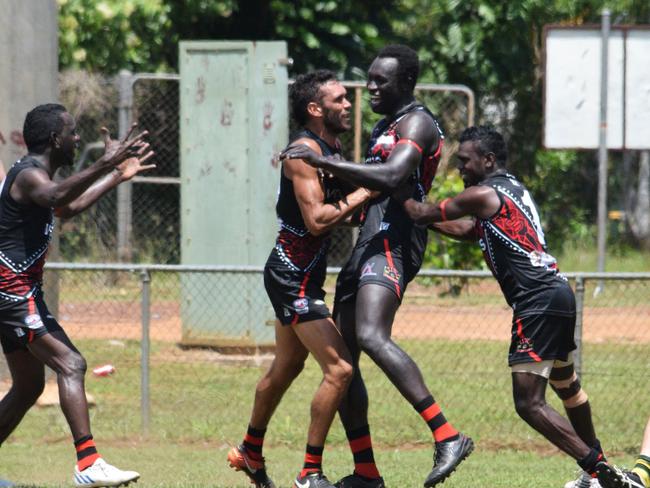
(456, 328)
(144, 226)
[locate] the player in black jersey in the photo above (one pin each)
(404, 145)
(310, 204)
(507, 225)
(30, 336)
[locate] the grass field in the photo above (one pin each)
(200, 407)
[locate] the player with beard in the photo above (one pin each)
(309, 205)
(506, 223)
(404, 145)
(30, 336)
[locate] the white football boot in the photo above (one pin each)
(100, 473)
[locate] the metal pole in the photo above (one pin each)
(125, 190)
(580, 303)
(144, 351)
(602, 150)
(357, 124)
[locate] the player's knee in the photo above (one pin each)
(569, 390)
(74, 364)
(342, 373)
(528, 407)
(369, 341)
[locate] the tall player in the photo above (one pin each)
(310, 204)
(30, 336)
(404, 145)
(507, 225)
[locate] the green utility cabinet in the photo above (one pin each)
(233, 121)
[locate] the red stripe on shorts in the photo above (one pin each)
(389, 258)
(301, 294)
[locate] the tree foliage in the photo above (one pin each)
(494, 47)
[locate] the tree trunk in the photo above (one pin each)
(638, 203)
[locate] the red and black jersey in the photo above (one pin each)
(514, 247)
(295, 246)
(383, 214)
(25, 233)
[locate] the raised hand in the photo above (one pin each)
(132, 166)
(304, 152)
(116, 151)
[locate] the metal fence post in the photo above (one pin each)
(125, 190)
(144, 350)
(580, 302)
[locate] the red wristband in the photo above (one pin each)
(443, 204)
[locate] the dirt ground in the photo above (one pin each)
(601, 324)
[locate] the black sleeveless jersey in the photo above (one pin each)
(513, 245)
(25, 233)
(295, 246)
(383, 214)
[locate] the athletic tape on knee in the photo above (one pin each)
(569, 391)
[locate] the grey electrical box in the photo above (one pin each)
(234, 120)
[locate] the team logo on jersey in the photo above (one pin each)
(383, 146)
(19, 332)
(368, 270)
(391, 273)
(33, 321)
(384, 226)
(301, 306)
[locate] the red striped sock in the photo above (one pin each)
(86, 452)
(430, 411)
(313, 460)
(254, 442)
(364, 458)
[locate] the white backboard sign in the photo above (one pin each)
(572, 88)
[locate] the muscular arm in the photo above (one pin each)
(404, 158)
(476, 201)
(319, 217)
(124, 172)
(35, 185)
(461, 229)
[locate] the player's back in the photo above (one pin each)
(514, 247)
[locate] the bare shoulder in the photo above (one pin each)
(308, 141)
(418, 125)
(293, 167)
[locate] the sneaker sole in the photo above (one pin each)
(238, 463)
(460, 460)
(104, 485)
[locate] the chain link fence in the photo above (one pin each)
(455, 325)
(140, 222)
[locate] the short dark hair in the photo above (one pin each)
(409, 63)
(489, 141)
(40, 122)
(306, 89)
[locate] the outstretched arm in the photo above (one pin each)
(476, 201)
(418, 134)
(121, 173)
(319, 217)
(34, 185)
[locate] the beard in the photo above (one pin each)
(334, 123)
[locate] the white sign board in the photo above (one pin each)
(572, 88)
